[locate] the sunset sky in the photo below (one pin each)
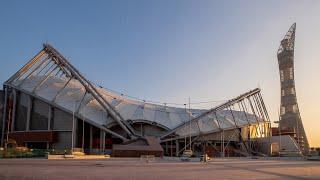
(168, 51)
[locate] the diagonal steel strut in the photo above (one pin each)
(215, 109)
(90, 88)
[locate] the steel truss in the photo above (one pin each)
(250, 103)
(50, 63)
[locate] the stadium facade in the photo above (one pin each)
(49, 104)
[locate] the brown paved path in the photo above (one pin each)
(162, 170)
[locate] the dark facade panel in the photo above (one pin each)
(62, 140)
(61, 120)
(39, 115)
(21, 112)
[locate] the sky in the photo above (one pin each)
(170, 50)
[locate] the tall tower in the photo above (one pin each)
(290, 120)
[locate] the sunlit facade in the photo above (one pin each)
(49, 104)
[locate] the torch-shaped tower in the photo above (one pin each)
(290, 120)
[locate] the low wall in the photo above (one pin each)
(52, 157)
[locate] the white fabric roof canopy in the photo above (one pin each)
(73, 98)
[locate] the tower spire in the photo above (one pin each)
(289, 111)
(287, 43)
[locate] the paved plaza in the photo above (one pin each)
(131, 168)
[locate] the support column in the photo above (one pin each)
(102, 141)
(49, 118)
(75, 132)
(29, 113)
(177, 147)
(49, 123)
(171, 147)
(166, 147)
(91, 136)
(14, 109)
(4, 115)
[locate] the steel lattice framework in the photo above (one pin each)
(219, 115)
(290, 119)
(51, 78)
(245, 111)
(50, 63)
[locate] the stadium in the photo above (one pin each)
(48, 104)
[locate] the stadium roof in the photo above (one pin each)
(51, 78)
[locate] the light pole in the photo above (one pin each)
(72, 134)
(185, 137)
(73, 119)
(83, 128)
(8, 127)
(223, 150)
(190, 124)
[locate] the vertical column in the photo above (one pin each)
(49, 117)
(4, 114)
(29, 113)
(75, 132)
(177, 147)
(14, 109)
(102, 141)
(166, 147)
(90, 140)
(171, 147)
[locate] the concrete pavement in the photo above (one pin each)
(133, 168)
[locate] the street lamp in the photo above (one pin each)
(185, 138)
(72, 134)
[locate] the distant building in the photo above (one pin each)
(290, 120)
